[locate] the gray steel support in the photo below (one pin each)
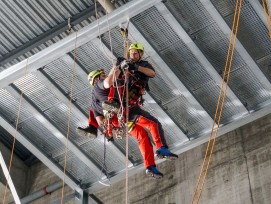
(82, 198)
(66, 45)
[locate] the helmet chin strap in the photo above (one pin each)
(139, 55)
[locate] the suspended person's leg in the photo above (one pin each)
(153, 128)
(146, 150)
(91, 130)
(145, 119)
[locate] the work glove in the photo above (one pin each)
(119, 60)
(133, 67)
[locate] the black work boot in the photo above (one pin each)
(90, 131)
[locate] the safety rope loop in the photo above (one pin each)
(104, 168)
(221, 101)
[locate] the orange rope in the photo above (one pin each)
(267, 15)
(16, 130)
(227, 70)
(127, 134)
(222, 106)
(69, 118)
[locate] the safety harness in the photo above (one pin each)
(116, 120)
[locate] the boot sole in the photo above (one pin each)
(170, 157)
(156, 176)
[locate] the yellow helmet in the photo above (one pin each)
(93, 74)
(137, 46)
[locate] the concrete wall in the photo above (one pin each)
(28, 180)
(19, 175)
(240, 173)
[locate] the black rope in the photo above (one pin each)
(104, 168)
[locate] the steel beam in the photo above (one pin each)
(66, 45)
(198, 54)
(40, 155)
(207, 4)
(15, 92)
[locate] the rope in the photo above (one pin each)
(99, 33)
(69, 118)
(104, 167)
(16, 130)
(114, 77)
(124, 32)
(125, 85)
(227, 70)
(127, 140)
(267, 15)
(110, 37)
